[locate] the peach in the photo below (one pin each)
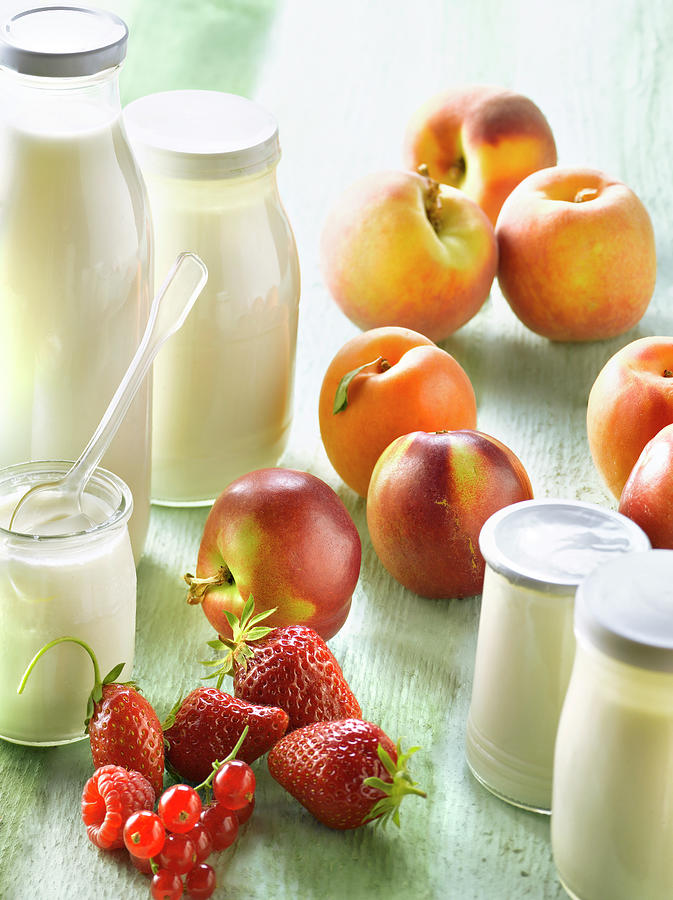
(284, 537)
(483, 140)
(631, 400)
(400, 249)
(577, 254)
(399, 382)
(428, 498)
(647, 497)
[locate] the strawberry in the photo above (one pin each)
(345, 773)
(108, 799)
(123, 728)
(290, 667)
(207, 724)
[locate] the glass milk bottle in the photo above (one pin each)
(58, 581)
(612, 808)
(223, 386)
(536, 552)
(74, 245)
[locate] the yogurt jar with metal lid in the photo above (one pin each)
(223, 386)
(612, 819)
(537, 552)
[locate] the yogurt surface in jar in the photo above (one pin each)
(536, 553)
(612, 819)
(61, 582)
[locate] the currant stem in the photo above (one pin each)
(61, 640)
(219, 763)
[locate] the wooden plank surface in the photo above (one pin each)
(343, 79)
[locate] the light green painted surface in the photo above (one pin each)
(343, 78)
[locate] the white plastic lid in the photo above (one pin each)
(552, 545)
(62, 41)
(202, 134)
(625, 609)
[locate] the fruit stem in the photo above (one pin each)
(98, 682)
(199, 587)
(432, 199)
(219, 763)
(43, 650)
(585, 194)
(380, 364)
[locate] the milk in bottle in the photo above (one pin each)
(74, 245)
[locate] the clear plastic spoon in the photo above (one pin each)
(61, 499)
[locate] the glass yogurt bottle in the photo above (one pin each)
(57, 581)
(74, 245)
(536, 552)
(612, 818)
(223, 387)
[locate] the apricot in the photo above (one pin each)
(404, 383)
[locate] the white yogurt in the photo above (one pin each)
(612, 819)
(222, 400)
(77, 584)
(536, 553)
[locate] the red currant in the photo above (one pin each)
(178, 854)
(234, 784)
(166, 885)
(202, 840)
(144, 834)
(222, 825)
(244, 814)
(142, 865)
(179, 808)
(201, 882)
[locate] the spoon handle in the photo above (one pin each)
(169, 309)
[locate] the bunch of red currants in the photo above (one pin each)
(176, 840)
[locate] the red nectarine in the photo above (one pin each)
(428, 498)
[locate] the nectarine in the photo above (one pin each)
(647, 497)
(428, 498)
(631, 400)
(400, 249)
(483, 140)
(577, 254)
(284, 537)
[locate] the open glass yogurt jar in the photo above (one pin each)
(537, 552)
(61, 581)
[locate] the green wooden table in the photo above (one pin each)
(343, 79)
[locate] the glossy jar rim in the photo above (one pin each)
(114, 491)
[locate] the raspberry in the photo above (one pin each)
(109, 797)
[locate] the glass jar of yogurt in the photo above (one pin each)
(62, 581)
(223, 386)
(536, 552)
(612, 818)
(75, 272)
